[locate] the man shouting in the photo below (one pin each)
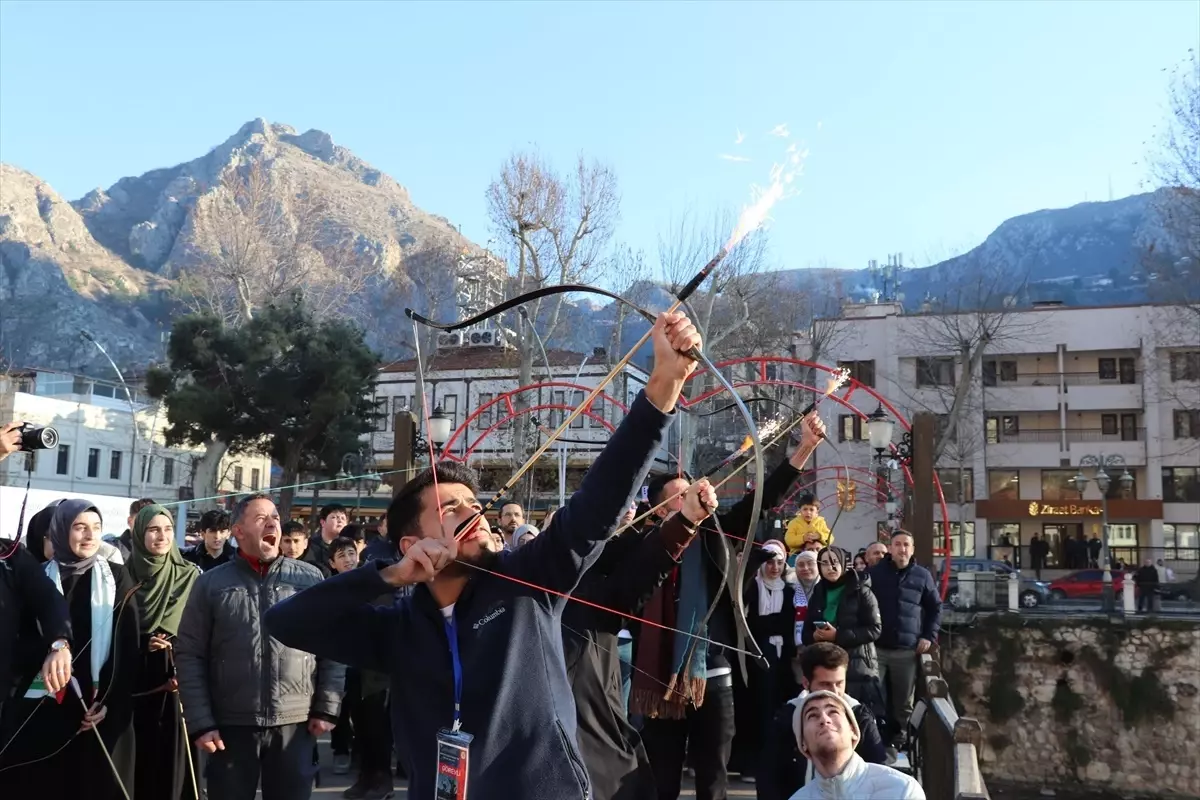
(482, 707)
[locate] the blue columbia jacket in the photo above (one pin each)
(909, 604)
(516, 699)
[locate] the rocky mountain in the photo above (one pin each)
(109, 262)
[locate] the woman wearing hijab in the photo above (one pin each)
(52, 747)
(164, 579)
(843, 610)
(770, 610)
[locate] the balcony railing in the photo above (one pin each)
(1073, 435)
(1067, 378)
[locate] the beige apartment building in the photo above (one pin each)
(1052, 389)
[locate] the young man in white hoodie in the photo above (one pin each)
(826, 733)
(782, 768)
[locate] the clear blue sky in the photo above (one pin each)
(928, 123)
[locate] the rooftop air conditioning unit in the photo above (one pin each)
(483, 338)
(449, 340)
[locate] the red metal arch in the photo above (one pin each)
(507, 412)
(763, 379)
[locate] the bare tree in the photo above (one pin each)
(256, 237)
(629, 275)
(976, 312)
(554, 228)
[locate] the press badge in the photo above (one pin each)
(453, 748)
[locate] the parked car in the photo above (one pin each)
(1084, 584)
(1031, 593)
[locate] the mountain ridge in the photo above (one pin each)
(108, 261)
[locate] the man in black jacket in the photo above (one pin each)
(705, 731)
(782, 770)
(911, 611)
(480, 696)
(631, 567)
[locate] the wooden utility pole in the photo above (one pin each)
(402, 449)
(919, 520)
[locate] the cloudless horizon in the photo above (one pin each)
(928, 124)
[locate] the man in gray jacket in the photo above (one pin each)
(253, 704)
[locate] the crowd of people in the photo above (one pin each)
(589, 658)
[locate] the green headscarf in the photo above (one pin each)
(165, 580)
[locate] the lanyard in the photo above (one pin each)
(452, 635)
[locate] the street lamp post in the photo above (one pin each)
(358, 471)
(1103, 482)
(87, 336)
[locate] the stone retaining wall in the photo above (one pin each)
(1078, 703)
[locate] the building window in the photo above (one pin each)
(237, 479)
(1187, 423)
(114, 466)
(1004, 428)
(935, 371)
(957, 488)
(1181, 484)
(558, 398)
(1122, 535)
(1108, 369)
(255, 477)
(484, 420)
(30, 464)
(381, 415)
(962, 538)
(449, 404)
(861, 371)
(93, 470)
(1182, 542)
(577, 400)
(1058, 485)
(168, 471)
(1185, 366)
(851, 428)
(1008, 371)
(1108, 424)
(145, 473)
(64, 460)
(598, 411)
(1004, 484)
(401, 403)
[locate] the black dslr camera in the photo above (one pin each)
(45, 438)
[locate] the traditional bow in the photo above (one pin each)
(736, 598)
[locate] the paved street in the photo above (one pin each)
(333, 785)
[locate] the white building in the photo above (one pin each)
(1054, 385)
(472, 385)
(99, 451)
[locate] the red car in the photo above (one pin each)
(1084, 584)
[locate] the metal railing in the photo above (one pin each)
(1056, 379)
(945, 753)
(1073, 435)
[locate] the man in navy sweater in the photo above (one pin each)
(911, 611)
(479, 686)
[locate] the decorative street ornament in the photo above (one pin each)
(846, 491)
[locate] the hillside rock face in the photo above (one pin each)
(56, 279)
(108, 262)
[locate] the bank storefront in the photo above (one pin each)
(1072, 531)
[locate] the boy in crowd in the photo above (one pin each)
(214, 548)
(343, 557)
(293, 541)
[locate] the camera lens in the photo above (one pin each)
(39, 438)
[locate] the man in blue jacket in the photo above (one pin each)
(480, 694)
(911, 611)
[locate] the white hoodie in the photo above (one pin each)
(859, 780)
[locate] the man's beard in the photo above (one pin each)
(465, 565)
